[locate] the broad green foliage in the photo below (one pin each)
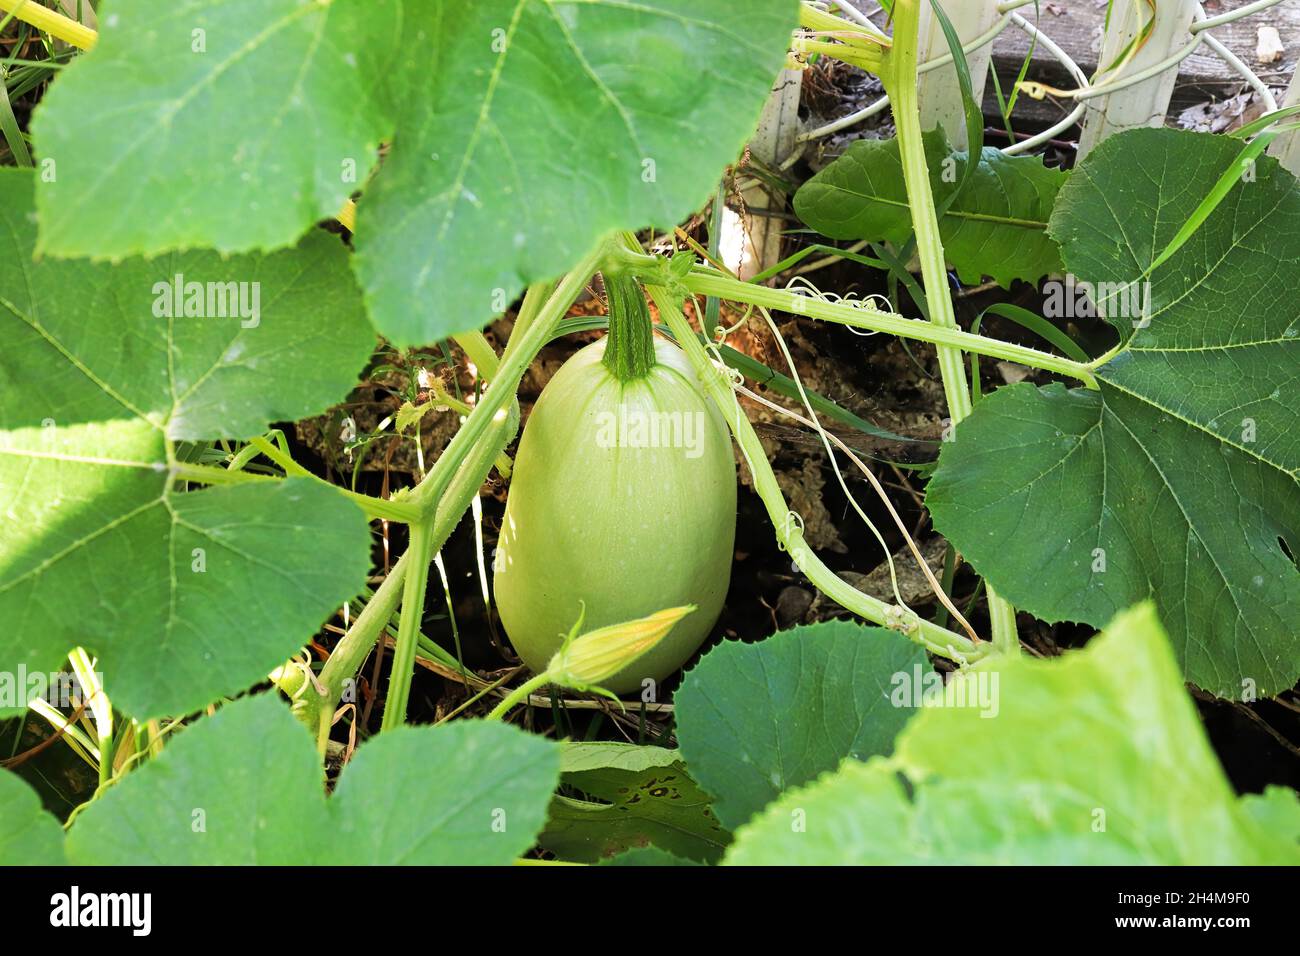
(639, 796)
(241, 788)
(521, 130)
(245, 787)
(228, 124)
(468, 792)
(28, 835)
(99, 548)
(1178, 479)
(995, 226)
(755, 720)
(1094, 758)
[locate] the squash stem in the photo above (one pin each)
(900, 78)
(520, 693)
(630, 347)
(421, 549)
(316, 708)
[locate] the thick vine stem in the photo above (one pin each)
(431, 493)
(709, 282)
(479, 351)
(900, 79)
(316, 709)
(421, 549)
(524, 345)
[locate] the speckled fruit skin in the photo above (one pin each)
(625, 530)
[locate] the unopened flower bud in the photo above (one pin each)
(592, 658)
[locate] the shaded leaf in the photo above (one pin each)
(28, 835)
(995, 226)
(754, 720)
(633, 797)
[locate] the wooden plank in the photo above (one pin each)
(940, 91)
(1287, 146)
(1142, 104)
(1202, 75)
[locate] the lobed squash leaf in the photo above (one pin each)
(244, 787)
(100, 549)
(521, 131)
(754, 720)
(1177, 480)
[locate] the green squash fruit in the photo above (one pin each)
(623, 501)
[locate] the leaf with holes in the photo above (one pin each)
(1079, 787)
(754, 720)
(625, 797)
(1178, 478)
(244, 787)
(522, 131)
(995, 226)
(97, 387)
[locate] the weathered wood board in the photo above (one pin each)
(1076, 25)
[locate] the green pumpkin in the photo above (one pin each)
(623, 501)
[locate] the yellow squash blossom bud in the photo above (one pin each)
(589, 659)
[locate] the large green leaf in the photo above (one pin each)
(241, 788)
(228, 124)
(631, 797)
(543, 125)
(469, 792)
(1178, 478)
(522, 130)
(754, 720)
(245, 787)
(28, 835)
(995, 226)
(184, 596)
(1094, 758)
